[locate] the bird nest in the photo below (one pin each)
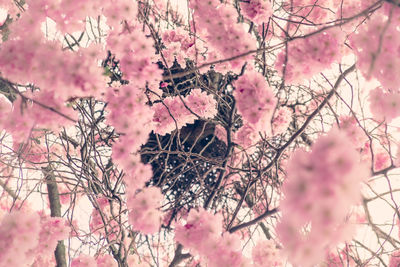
(186, 163)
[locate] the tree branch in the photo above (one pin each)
(254, 221)
(55, 211)
(179, 256)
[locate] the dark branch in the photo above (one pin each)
(55, 211)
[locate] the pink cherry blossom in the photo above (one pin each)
(27, 237)
(255, 100)
(328, 175)
(224, 37)
(83, 261)
(202, 235)
(309, 56)
(394, 259)
(106, 261)
(258, 11)
(266, 253)
(176, 112)
(385, 104)
(144, 213)
(377, 49)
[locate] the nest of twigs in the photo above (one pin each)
(186, 163)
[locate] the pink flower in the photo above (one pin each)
(202, 235)
(258, 11)
(394, 259)
(311, 55)
(385, 104)
(397, 161)
(327, 176)
(106, 261)
(265, 253)
(27, 238)
(224, 38)
(255, 100)
(172, 114)
(83, 261)
(366, 40)
(144, 214)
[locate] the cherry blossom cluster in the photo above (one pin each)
(256, 102)
(350, 127)
(352, 9)
(52, 229)
(144, 213)
(385, 104)
(247, 137)
(88, 261)
(202, 235)
(317, 183)
(74, 13)
(71, 18)
(328, 10)
(137, 174)
(265, 253)
(257, 11)
(77, 73)
(29, 238)
(19, 234)
(225, 38)
(20, 117)
(126, 104)
(358, 137)
(136, 55)
(175, 112)
(377, 47)
(309, 56)
(131, 117)
(381, 158)
(119, 11)
(179, 47)
(24, 58)
(143, 204)
(339, 258)
(394, 260)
